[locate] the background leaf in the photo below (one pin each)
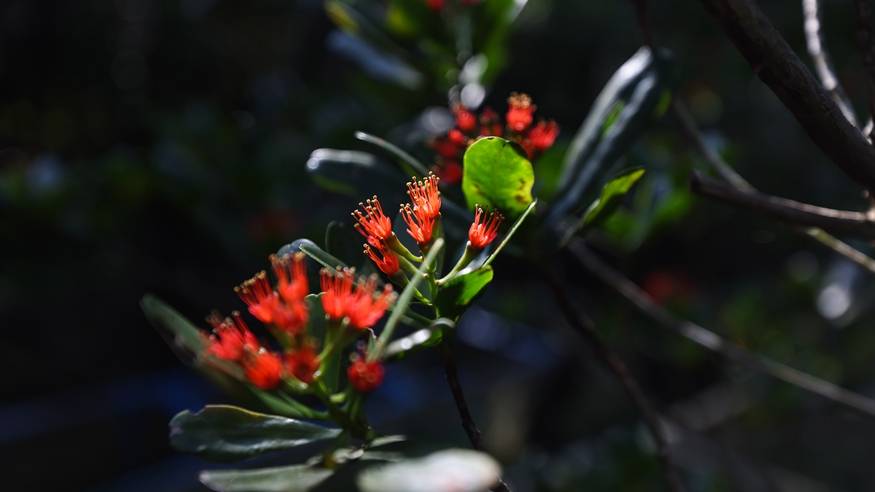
(451, 470)
(497, 175)
(619, 116)
(229, 432)
(295, 478)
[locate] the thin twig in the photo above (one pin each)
(714, 342)
(822, 62)
(776, 64)
(866, 43)
(729, 174)
(452, 374)
(586, 328)
(790, 211)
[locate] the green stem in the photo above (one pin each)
(466, 258)
(395, 245)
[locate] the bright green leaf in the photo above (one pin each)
(612, 194)
(295, 478)
(496, 174)
(229, 432)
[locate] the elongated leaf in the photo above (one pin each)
(612, 193)
(619, 116)
(346, 171)
(457, 294)
(295, 478)
(451, 470)
(496, 174)
(229, 432)
(179, 332)
(310, 249)
(605, 205)
(409, 164)
(404, 301)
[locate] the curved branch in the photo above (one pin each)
(452, 374)
(714, 342)
(781, 69)
(790, 211)
(585, 326)
(820, 57)
(731, 175)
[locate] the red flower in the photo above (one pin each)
(365, 376)
(419, 225)
(435, 4)
(291, 274)
(263, 369)
(519, 112)
(465, 120)
(371, 221)
(490, 125)
(484, 228)
(386, 260)
(542, 135)
(358, 302)
(259, 297)
(369, 305)
(425, 196)
(303, 363)
(231, 338)
(337, 292)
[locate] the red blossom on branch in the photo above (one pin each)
(358, 302)
(516, 126)
(386, 260)
(371, 221)
(303, 363)
(484, 229)
(231, 338)
(365, 376)
(263, 369)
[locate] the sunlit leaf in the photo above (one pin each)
(496, 174)
(610, 198)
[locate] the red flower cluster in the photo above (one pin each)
(358, 303)
(421, 215)
(284, 307)
(518, 126)
(484, 229)
(364, 376)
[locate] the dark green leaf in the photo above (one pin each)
(346, 171)
(451, 470)
(295, 478)
(409, 164)
(496, 174)
(620, 114)
(310, 249)
(454, 296)
(229, 432)
(179, 332)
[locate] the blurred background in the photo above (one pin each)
(162, 147)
